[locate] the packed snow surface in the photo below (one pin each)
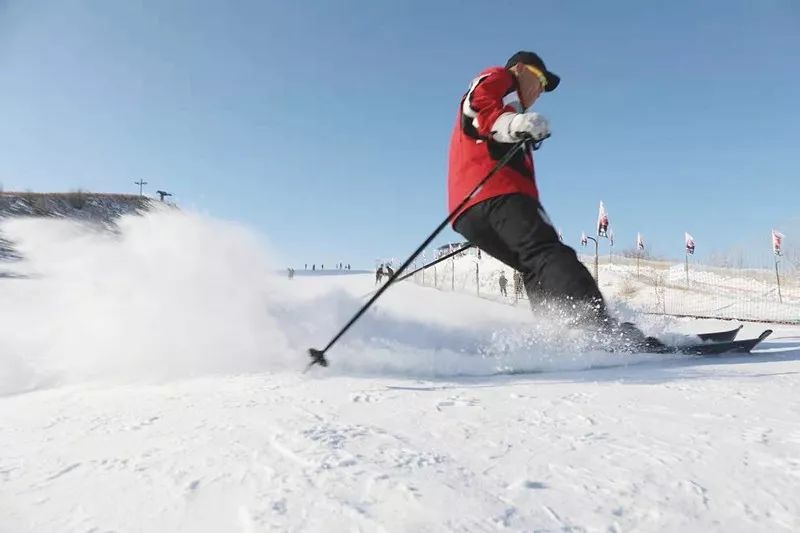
(150, 380)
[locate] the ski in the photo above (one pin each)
(706, 349)
(720, 336)
(713, 336)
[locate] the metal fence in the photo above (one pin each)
(473, 273)
(678, 288)
(691, 288)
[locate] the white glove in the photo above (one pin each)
(513, 127)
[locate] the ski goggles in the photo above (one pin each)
(538, 73)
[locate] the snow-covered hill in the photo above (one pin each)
(151, 381)
(95, 208)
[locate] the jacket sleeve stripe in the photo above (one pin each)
(467, 108)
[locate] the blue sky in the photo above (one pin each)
(326, 124)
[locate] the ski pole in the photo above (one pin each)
(318, 356)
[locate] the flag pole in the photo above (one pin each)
(689, 249)
(687, 267)
(638, 257)
(639, 248)
(596, 258)
(776, 248)
(610, 248)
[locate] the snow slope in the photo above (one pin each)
(150, 382)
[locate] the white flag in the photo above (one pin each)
(602, 221)
(689, 243)
(777, 240)
(584, 239)
(560, 235)
(639, 241)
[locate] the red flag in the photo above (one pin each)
(777, 240)
(689, 243)
(602, 221)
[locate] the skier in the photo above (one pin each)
(505, 218)
(503, 282)
(518, 287)
(379, 275)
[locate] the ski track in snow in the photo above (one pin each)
(405, 432)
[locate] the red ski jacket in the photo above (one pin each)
(473, 153)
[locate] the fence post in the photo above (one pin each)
(477, 279)
(687, 269)
(778, 277)
(596, 259)
(453, 274)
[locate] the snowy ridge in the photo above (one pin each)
(149, 381)
(97, 208)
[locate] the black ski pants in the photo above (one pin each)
(515, 229)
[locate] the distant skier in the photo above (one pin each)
(505, 218)
(379, 275)
(503, 282)
(313, 267)
(518, 286)
(389, 271)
